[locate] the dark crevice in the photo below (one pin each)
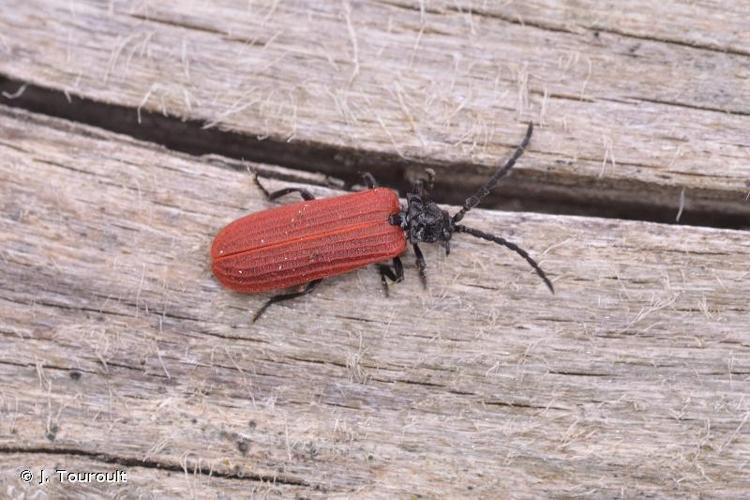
(579, 374)
(515, 20)
(147, 314)
(341, 405)
(529, 191)
(190, 136)
(692, 106)
(318, 361)
(182, 24)
(354, 318)
(192, 27)
(520, 405)
(416, 382)
(673, 41)
(21, 365)
(153, 464)
(492, 15)
(64, 307)
(106, 364)
(459, 392)
(481, 287)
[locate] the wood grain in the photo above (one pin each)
(120, 350)
(643, 108)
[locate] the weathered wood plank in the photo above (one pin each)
(632, 380)
(641, 105)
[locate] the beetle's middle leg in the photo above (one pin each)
(395, 274)
(287, 296)
(306, 195)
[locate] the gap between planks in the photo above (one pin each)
(517, 193)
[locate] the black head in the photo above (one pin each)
(425, 221)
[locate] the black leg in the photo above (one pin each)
(423, 187)
(280, 298)
(430, 182)
(306, 195)
(421, 265)
(370, 181)
(396, 274)
(419, 188)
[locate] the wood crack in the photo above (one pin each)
(151, 313)
(577, 197)
(672, 41)
(691, 106)
(530, 406)
(579, 374)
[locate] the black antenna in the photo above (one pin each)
(474, 200)
(502, 241)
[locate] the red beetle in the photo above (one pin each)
(305, 242)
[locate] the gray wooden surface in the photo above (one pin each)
(632, 379)
(121, 352)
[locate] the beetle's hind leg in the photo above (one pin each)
(306, 195)
(367, 179)
(288, 296)
(370, 181)
(421, 265)
(395, 274)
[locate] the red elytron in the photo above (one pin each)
(301, 242)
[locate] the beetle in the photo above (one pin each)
(305, 242)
